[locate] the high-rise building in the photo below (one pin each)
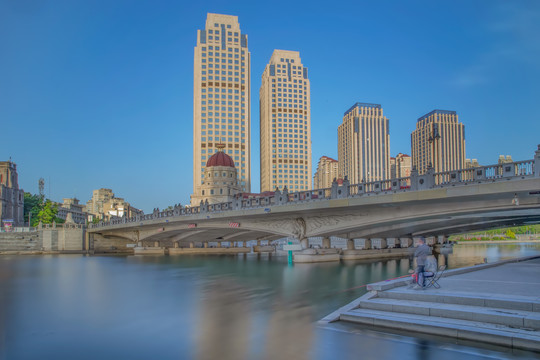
(400, 166)
(327, 171)
(221, 97)
(364, 144)
(438, 141)
(11, 197)
(285, 123)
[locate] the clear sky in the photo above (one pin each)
(100, 93)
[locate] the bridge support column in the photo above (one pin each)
(176, 244)
(156, 243)
(391, 242)
(258, 242)
(378, 243)
(219, 244)
(442, 239)
(304, 242)
(206, 244)
(365, 244)
(326, 244)
(431, 240)
(140, 244)
(405, 242)
(191, 245)
(350, 244)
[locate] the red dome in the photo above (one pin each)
(220, 159)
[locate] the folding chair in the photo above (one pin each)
(433, 280)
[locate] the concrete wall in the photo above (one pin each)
(50, 239)
(30, 241)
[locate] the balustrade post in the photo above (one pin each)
(537, 162)
(414, 179)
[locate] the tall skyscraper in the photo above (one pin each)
(221, 97)
(364, 144)
(439, 141)
(327, 171)
(285, 123)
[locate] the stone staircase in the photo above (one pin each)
(502, 320)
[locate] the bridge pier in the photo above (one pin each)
(350, 244)
(365, 244)
(205, 244)
(219, 244)
(378, 243)
(191, 245)
(304, 242)
(405, 242)
(326, 243)
(176, 244)
(156, 243)
(391, 242)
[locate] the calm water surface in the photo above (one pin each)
(207, 307)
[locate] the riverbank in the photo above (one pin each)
(495, 303)
(474, 242)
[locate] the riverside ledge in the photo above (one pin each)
(495, 303)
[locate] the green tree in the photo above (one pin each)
(510, 234)
(33, 204)
(48, 213)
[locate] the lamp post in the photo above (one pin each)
(433, 140)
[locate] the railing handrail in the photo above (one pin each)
(344, 190)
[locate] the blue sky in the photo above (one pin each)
(100, 93)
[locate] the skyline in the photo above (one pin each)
(102, 94)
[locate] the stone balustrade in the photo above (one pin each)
(416, 182)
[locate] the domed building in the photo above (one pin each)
(220, 182)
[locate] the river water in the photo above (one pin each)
(208, 307)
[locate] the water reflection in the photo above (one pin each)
(244, 307)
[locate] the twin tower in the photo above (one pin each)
(222, 111)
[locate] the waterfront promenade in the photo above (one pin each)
(497, 303)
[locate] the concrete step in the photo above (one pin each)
(511, 318)
(455, 328)
(499, 302)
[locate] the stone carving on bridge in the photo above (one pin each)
(316, 223)
(299, 228)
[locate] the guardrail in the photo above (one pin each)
(415, 182)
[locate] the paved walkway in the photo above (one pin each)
(495, 303)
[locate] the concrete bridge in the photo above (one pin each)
(375, 214)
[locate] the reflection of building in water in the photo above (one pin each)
(225, 320)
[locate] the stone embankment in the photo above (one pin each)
(496, 303)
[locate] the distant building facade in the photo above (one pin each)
(104, 205)
(327, 171)
(438, 141)
(505, 159)
(72, 206)
(220, 180)
(400, 166)
(221, 98)
(11, 197)
(285, 129)
(472, 163)
(364, 144)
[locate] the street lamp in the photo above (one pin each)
(433, 139)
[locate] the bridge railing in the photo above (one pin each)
(489, 172)
(344, 189)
